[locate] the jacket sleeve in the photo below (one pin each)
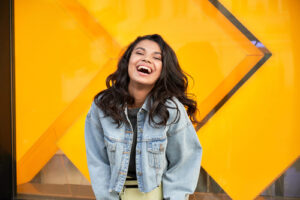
(97, 158)
(184, 154)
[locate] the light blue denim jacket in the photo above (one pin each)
(170, 154)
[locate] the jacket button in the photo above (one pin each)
(139, 173)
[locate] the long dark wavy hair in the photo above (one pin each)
(172, 83)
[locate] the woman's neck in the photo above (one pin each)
(139, 94)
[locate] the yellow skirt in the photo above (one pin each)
(132, 192)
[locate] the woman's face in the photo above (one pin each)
(145, 63)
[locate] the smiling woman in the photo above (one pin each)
(139, 137)
(144, 67)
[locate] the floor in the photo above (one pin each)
(30, 191)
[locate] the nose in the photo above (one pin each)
(146, 59)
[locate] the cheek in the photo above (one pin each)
(131, 65)
(130, 70)
(133, 59)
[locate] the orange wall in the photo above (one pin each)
(65, 49)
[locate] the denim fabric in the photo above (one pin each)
(169, 154)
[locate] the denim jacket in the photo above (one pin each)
(169, 154)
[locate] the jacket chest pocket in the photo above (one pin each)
(156, 153)
(111, 150)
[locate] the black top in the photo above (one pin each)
(132, 115)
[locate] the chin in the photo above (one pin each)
(145, 83)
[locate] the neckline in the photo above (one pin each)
(134, 108)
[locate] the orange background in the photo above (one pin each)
(65, 49)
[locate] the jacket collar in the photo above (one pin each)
(146, 105)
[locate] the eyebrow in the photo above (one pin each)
(156, 52)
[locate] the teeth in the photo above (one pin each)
(144, 67)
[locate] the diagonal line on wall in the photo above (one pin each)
(253, 64)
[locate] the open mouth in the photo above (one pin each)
(144, 69)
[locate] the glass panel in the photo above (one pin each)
(59, 178)
(287, 186)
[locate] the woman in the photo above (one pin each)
(138, 132)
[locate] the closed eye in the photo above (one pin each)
(139, 53)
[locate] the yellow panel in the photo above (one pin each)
(75, 136)
(188, 29)
(255, 136)
(252, 139)
(55, 61)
